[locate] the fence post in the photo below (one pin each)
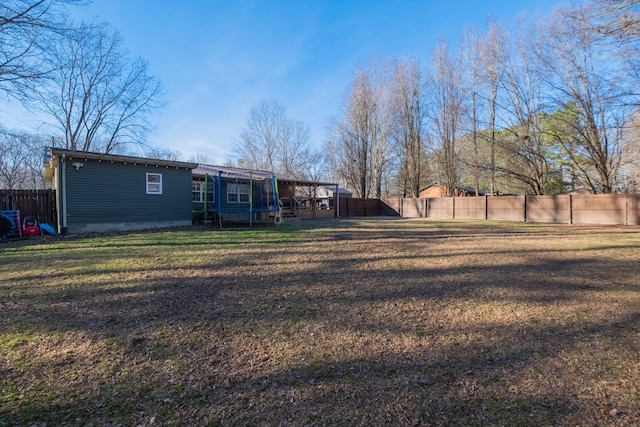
(453, 207)
(486, 207)
(570, 209)
(524, 208)
(626, 210)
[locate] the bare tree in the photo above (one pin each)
(361, 140)
(319, 167)
(256, 148)
(272, 141)
(616, 18)
(163, 153)
(349, 142)
(294, 152)
(21, 160)
(630, 164)
(409, 112)
(99, 97)
(200, 158)
(383, 150)
(491, 51)
(472, 81)
(589, 77)
(26, 27)
(12, 161)
(523, 86)
(446, 112)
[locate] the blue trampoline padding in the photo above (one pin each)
(49, 229)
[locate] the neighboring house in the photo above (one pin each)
(103, 192)
(580, 192)
(440, 190)
(330, 192)
(327, 196)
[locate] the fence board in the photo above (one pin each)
(390, 207)
(505, 208)
(373, 207)
(553, 209)
(440, 207)
(470, 207)
(599, 209)
(413, 208)
(357, 207)
(352, 207)
(634, 209)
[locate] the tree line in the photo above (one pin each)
(539, 107)
(542, 107)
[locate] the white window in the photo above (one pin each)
(237, 193)
(154, 183)
(243, 193)
(197, 190)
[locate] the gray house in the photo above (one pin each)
(235, 194)
(231, 194)
(104, 192)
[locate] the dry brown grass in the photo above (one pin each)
(345, 322)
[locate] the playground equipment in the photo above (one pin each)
(229, 195)
(248, 200)
(223, 195)
(31, 226)
(46, 228)
(10, 224)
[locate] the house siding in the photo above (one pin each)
(440, 190)
(104, 196)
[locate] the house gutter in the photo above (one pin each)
(206, 191)
(250, 199)
(64, 195)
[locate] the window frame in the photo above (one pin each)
(236, 191)
(150, 184)
(197, 191)
(200, 192)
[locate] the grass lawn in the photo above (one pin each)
(333, 322)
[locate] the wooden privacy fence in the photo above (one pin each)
(41, 203)
(359, 207)
(568, 209)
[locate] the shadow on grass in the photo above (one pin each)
(354, 337)
(148, 293)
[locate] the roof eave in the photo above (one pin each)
(118, 158)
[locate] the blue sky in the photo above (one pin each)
(216, 59)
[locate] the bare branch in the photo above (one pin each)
(98, 96)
